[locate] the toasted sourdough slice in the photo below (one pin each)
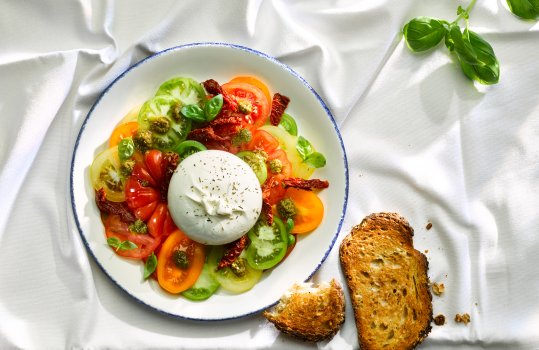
(308, 312)
(388, 283)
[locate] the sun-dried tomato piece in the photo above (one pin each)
(169, 164)
(233, 250)
(205, 135)
(228, 117)
(303, 184)
(212, 87)
(117, 208)
(278, 106)
(267, 211)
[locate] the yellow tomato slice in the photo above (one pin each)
(179, 262)
(310, 210)
(122, 131)
(105, 173)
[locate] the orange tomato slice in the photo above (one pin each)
(310, 210)
(176, 279)
(256, 82)
(122, 131)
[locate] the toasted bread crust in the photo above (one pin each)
(388, 283)
(310, 316)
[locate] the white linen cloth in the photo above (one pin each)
(421, 140)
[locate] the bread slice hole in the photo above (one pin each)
(377, 263)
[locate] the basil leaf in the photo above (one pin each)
(487, 69)
(127, 245)
(449, 43)
(289, 124)
(461, 44)
(120, 245)
(126, 148)
(213, 106)
(150, 265)
(304, 147)
(316, 159)
(423, 33)
(527, 9)
(114, 242)
(193, 112)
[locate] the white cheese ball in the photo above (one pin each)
(214, 197)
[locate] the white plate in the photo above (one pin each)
(220, 62)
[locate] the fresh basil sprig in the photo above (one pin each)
(527, 9)
(117, 244)
(475, 55)
(210, 110)
(150, 265)
(126, 148)
(308, 154)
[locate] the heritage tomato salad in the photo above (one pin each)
(161, 190)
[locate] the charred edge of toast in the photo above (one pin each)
(314, 334)
(386, 222)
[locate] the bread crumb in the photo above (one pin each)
(426, 251)
(429, 226)
(464, 318)
(438, 288)
(439, 320)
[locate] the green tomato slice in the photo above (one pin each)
(161, 115)
(268, 244)
(186, 148)
(205, 285)
(289, 124)
(105, 172)
(234, 280)
(257, 163)
(186, 90)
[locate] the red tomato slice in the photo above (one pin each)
(153, 160)
(262, 140)
(155, 224)
(254, 81)
(280, 155)
(253, 98)
(143, 213)
(146, 244)
(169, 226)
(137, 195)
(144, 197)
(141, 173)
(274, 188)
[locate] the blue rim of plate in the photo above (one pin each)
(178, 48)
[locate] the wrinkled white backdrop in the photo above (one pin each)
(421, 140)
